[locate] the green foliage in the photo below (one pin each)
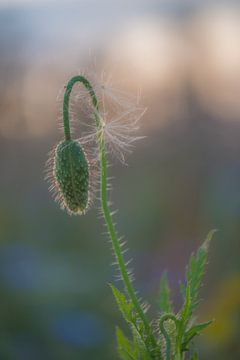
(125, 347)
(175, 331)
(195, 270)
(192, 332)
(140, 347)
(194, 356)
(164, 296)
(126, 306)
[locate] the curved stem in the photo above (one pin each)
(164, 318)
(66, 98)
(104, 198)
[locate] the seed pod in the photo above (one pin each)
(71, 174)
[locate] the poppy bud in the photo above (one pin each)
(71, 174)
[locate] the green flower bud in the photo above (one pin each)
(71, 173)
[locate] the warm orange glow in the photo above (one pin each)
(216, 61)
(150, 50)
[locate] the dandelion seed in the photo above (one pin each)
(119, 132)
(119, 114)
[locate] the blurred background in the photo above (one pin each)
(183, 179)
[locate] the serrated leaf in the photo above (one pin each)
(125, 347)
(186, 310)
(195, 270)
(126, 307)
(193, 331)
(139, 345)
(138, 329)
(185, 316)
(164, 296)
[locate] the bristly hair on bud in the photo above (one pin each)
(70, 174)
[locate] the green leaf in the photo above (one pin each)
(164, 297)
(186, 310)
(194, 273)
(139, 345)
(125, 347)
(185, 315)
(193, 331)
(141, 338)
(126, 307)
(194, 356)
(131, 350)
(195, 270)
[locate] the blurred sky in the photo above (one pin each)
(163, 44)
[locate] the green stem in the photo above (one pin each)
(164, 318)
(104, 198)
(66, 99)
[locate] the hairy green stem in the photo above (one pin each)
(164, 318)
(104, 197)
